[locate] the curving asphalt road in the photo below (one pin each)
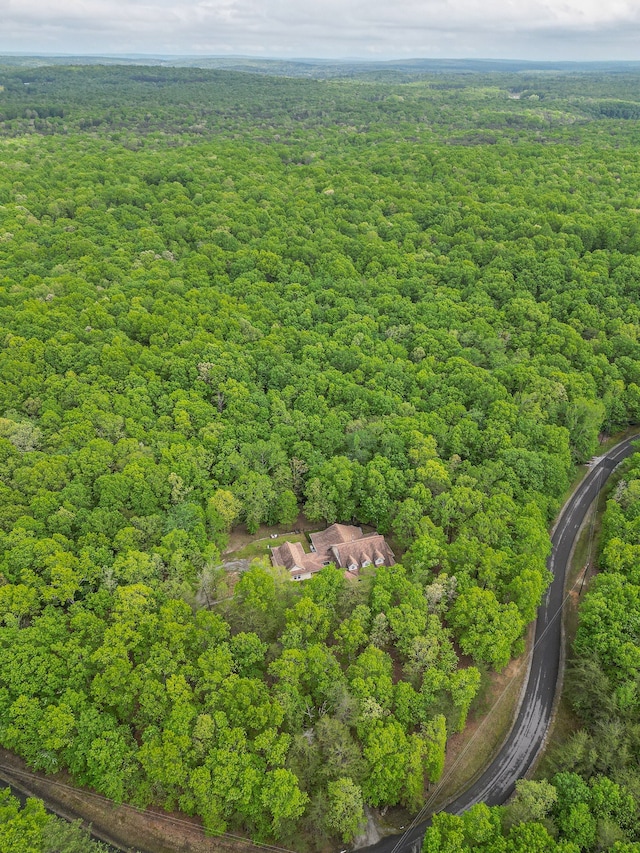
(527, 736)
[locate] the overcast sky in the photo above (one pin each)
(377, 29)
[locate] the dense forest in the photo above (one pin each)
(29, 829)
(227, 299)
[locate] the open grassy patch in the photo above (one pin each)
(262, 547)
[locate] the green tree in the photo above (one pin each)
(345, 816)
(282, 798)
(386, 753)
(532, 802)
(21, 829)
(488, 630)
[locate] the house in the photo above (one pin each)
(343, 545)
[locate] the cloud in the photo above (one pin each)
(586, 29)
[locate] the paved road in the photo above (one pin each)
(526, 739)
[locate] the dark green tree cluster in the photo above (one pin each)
(29, 829)
(471, 109)
(284, 312)
(565, 815)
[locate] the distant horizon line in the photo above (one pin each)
(307, 59)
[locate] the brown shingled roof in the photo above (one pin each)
(342, 544)
(334, 535)
(289, 554)
(368, 549)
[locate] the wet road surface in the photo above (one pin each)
(527, 736)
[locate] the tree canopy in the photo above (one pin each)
(226, 299)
